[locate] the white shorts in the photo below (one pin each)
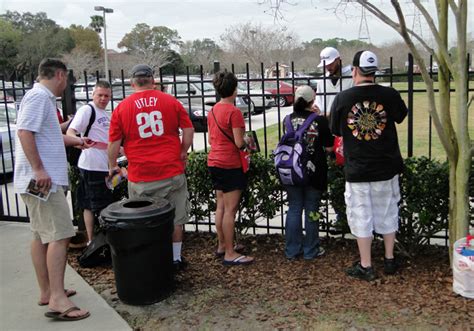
(372, 206)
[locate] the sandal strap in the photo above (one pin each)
(67, 311)
(241, 257)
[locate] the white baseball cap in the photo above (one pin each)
(327, 56)
(366, 61)
(305, 92)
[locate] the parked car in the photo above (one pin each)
(83, 92)
(120, 92)
(197, 115)
(12, 92)
(311, 82)
(261, 99)
(197, 91)
(198, 118)
(283, 93)
(7, 136)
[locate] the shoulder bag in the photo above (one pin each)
(244, 155)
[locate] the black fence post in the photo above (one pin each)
(217, 68)
(410, 105)
(68, 99)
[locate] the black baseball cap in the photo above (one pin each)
(142, 70)
(366, 61)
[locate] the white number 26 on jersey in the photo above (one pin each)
(150, 124)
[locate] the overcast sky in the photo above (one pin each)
(198, 19)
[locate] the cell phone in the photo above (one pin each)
(250, 138)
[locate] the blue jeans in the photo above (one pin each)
(300, 198)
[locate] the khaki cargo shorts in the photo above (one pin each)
(174, 189)
(49, 220)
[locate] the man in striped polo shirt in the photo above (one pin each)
(41, 156)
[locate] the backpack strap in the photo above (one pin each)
(287, 123)
(91, 120)
(302, 129)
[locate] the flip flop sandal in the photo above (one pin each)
(62, 316)
(69, 293)
(237, 261)
(238, 248)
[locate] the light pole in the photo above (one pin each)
(290, 39)
(253, 33)
(105, 10)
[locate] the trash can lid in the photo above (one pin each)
(135, 208)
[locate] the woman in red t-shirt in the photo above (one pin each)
(226, 136)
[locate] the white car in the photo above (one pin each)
(261, 100)
(7, 136)
(198, 91)
(83, 92)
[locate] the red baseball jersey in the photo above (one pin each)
(148, 122)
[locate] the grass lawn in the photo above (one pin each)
(421, 128)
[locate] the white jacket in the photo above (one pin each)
(326, 91)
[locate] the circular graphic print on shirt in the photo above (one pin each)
(367, 120)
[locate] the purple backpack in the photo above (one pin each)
(292, 161)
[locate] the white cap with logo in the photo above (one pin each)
(366, 61)
(327, 56)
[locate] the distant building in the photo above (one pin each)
(283, 69)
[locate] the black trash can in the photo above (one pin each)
(139, 232)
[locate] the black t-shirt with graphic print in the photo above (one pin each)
(317, 137)
(365, 117)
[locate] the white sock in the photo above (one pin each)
(177, 251)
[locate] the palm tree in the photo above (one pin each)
(97, 23)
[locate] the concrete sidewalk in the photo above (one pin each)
(19, 291)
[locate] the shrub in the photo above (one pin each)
(201, 194)
(263, 196)
(261, 199)
(424, 205)
(336, 187)
(119, 193)
(74, 182)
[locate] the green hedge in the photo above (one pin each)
(424, 205)
(262, 199)
(424, 202)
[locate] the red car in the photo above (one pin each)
(283, 96)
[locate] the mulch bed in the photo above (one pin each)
(276, 293)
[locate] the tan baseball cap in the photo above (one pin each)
(305, 92)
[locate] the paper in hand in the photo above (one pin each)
(35, 191)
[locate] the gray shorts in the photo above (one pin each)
(49, 220)
(174, 189)
(372, 206)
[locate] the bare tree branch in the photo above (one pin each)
(470, 102)
(435, 33)
(454, 7)
(275, 8)
(433, 110)
(396, 26)
(79, 61)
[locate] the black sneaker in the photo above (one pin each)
(180, 265)
(390, 266)
(358, 271)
